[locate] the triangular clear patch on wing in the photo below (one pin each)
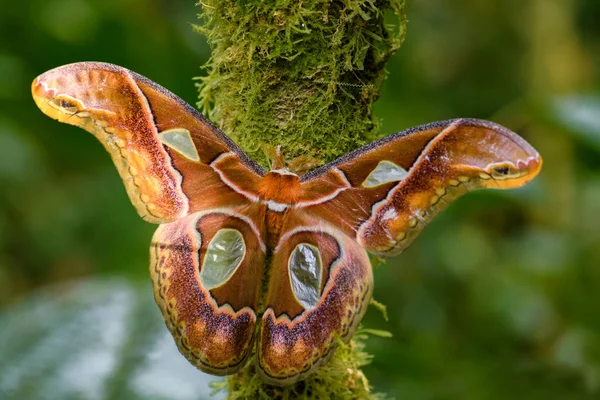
(180, 140)
(385, 172)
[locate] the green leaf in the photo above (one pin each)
(95, 339)
(375, 332)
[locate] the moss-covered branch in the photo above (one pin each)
(340, 379)
(303, 75)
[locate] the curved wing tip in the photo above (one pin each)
(483, 123)
(46, 85)
(36, 86)
(79, 66)
(531, 166)
(528, 165)
(42, 93)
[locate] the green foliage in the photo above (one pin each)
(301, 75)
(98, 339)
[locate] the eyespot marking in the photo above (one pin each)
(385, 172)
(66, 104)
(502, 171)
(180, 140)
(305, 269)
(224, 255)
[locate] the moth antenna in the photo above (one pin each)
(278, 160)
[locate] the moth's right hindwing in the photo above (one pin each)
(319, 288)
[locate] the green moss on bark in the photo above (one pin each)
(300, 74)
(340, 379)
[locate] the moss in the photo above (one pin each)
(340, 379)
(301, 74)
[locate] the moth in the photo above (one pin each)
(247, 261)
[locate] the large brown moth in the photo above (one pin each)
(229, 228)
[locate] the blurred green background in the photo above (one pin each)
(499, 298)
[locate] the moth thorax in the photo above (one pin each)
(280, 186)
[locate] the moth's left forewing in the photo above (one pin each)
(172, 160)
(216, 173)
(319, 287)
(105, 100)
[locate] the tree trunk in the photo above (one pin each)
(302, 75)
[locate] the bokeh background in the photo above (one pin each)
(499, 298)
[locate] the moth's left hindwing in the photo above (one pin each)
(207, 269)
